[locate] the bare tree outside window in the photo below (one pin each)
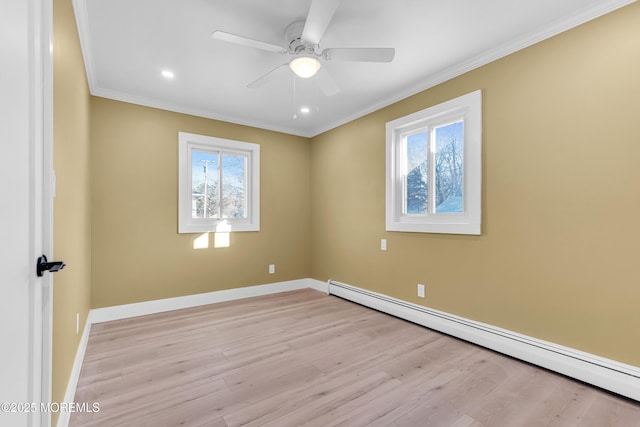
(210, 199)
(448, 168)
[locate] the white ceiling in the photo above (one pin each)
(127, 44)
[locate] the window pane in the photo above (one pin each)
(449, 167)
(417, 157)
(204, 184)
(234, 178)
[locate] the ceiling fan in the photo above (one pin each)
(303, 46)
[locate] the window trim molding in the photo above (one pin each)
(187, 142)
(469, 108)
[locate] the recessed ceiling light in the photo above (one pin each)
(305, 110)
(167, 74)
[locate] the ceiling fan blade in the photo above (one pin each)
(318, 19)
(326, 83)
(260, 81)
(245, 41)
(382, 54)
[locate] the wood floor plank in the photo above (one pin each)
(303, 358)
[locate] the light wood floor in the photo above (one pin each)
(306, 358)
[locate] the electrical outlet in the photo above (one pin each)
(420, 290)
(272, 268)
(383, 244)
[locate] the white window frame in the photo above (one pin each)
(187, 143)
(468, 108)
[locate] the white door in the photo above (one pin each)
(25, 139)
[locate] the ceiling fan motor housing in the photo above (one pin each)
(293, 38)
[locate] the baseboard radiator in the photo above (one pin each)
(605, 373)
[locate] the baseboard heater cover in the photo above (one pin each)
(605, 373)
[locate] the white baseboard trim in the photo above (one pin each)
(318, 285)
(107, 314)
(608, 374)
(69, 395)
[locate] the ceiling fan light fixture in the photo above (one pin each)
(305, 66)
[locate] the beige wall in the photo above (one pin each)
(138, 254)
(72, 222)
(557, 258)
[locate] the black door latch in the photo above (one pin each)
(43, 265)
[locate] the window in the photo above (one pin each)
(218, 184)
(434, 168)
